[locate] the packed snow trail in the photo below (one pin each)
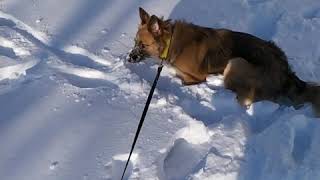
(70, 103)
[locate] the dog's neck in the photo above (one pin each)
(165, 53)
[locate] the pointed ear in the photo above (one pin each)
(154, 25)
(144, 16)
(167, 25)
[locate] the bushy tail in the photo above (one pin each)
(301, 92)
(312, 95)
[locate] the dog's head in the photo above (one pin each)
(150, 40)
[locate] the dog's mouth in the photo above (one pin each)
(137, 55)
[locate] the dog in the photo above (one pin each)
(253, 68)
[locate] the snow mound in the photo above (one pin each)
(117, 165)
(181, 159)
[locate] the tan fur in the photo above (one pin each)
(253, 68)
(148, 40)
(242, 78)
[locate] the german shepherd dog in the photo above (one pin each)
(253, 68)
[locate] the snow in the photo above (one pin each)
(70, 103)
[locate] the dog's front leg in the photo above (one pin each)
(188, 79)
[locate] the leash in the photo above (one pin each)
(144, 113)
(163, 57)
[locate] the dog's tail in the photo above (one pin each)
(312, 94)
(302, 92)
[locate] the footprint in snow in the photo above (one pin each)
(39, 20)
(54, 165)
(106, 50)
(7, 51)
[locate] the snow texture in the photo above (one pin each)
(70, 103)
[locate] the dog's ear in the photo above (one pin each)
(144, 16)
(155, 26)
(167, 25)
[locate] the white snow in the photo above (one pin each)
(70, 104)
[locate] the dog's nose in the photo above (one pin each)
(132, 57)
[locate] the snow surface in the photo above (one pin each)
(70, 104)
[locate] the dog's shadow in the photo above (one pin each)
(221, 104)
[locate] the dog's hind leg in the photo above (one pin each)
(241, 77)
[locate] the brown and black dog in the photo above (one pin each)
(253, 68)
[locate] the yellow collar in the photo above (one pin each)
(165, 52)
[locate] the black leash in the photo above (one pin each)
(145, 110)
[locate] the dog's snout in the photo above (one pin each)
(136, 55)
(132, 57)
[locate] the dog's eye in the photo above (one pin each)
(141, 45)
